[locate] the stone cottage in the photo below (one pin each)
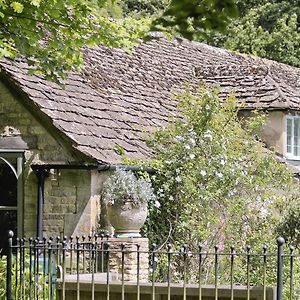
(58, 144)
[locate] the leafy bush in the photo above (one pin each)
(289, 227)
(215, 181)
(30, 282)
(3, 276)
(218, 185)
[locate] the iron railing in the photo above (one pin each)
(52, 268)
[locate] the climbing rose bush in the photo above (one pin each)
(216, 183)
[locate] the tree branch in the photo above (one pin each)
(35, 20)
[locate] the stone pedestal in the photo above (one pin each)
(130, 258)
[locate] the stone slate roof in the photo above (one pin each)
(120, 97)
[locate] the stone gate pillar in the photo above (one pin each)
(130, 258)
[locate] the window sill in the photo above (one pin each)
(290, 157)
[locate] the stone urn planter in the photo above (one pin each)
(126, 198)
(126, 218)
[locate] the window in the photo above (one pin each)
(11, 196)
(293, 137)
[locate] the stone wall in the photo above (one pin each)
(161, 291)
(88, 220)
(69, 197)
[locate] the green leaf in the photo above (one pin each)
(17, 7)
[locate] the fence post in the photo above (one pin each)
(9, 265)
(280, 245)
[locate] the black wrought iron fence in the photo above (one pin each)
(98, 267)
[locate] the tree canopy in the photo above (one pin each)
(214, 178)
(51, 34)
(264, 28)
(267, 29)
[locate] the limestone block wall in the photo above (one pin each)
(67, 199)
(90, 217)
(68, 193)
(98, 179)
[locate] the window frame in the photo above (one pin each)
(19, 158)
(290, 155)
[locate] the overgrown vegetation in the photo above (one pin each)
(267, 29)
(217, 185)
(215, 180)
(24, 286)
(264, 28)
(289, 226)
(51, 34)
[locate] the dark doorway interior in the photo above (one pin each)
(8, 203)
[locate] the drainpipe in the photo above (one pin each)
(98, 167)
(41, 175)
(103, 167)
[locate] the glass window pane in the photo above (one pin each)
(8, 186)
(289, 136)
(296, 137)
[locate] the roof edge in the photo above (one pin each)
(43, 119)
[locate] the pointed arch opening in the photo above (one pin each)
(11, 196)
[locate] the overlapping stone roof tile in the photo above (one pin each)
(120, 97)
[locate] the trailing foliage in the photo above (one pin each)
(50, 34)
(123, 185)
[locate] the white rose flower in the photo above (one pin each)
(203, 173)
(177, 179)
(192, 156)
(219, 174)
(264, 212)
(157, 204)
(208, 135)
(193, 142)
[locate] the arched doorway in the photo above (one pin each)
(11, 196)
